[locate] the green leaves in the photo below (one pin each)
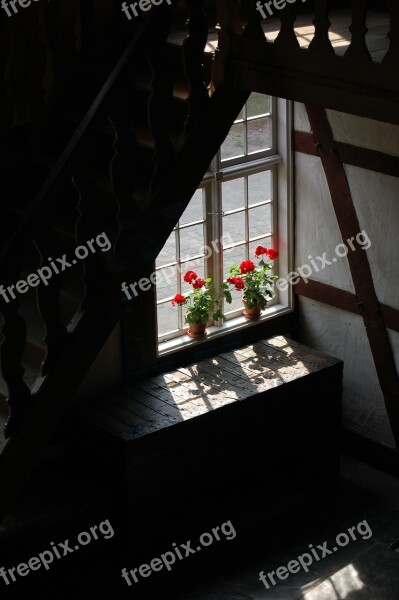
(228, 296)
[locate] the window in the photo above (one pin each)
(244, 201)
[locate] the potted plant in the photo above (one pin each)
(255, 281)
(202, 303)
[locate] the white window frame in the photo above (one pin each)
(280, 160)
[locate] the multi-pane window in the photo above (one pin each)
(232, 212)
(184, 250)
(252, 131)
(247, 220)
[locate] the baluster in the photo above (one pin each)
(358, 29)
(392, 56)
(228, 16)
(19, 396)
(12, 348)
(124, 166)
(287, 38)
(161, 98)
(86, 32)
(6, 104)
(54, 61)
(35, 67)
(98, 213)
(228, 24)
(254, 30)
(60, 20)
(321, 41)
(48, 296)
(193, 49)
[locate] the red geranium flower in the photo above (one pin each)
(259, 250)
(272, 254)
(178, 299)
(246, 266)
(238, 282)
(190, 276)
(198, 283)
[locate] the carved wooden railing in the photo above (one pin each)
(353, 83)
(71, 190)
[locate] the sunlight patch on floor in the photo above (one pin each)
(337, 587)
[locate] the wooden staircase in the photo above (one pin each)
(123, 155)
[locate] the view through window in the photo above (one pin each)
(229, 215)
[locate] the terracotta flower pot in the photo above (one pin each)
(197, 331)
(253, 314)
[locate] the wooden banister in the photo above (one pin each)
(71, 185)
(358, 82)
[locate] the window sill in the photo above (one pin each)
(184, 341)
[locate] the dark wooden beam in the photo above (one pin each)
(372, 160)
(327, 294)
(359, 87)
(358, 263)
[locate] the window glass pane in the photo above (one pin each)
(233, 194)
(236, 303)
(168, 316)
(234, 144)
(259, 134)
(259, 187)
(167, 282)
(260, 220)
(168, 252)
(234, 227)
(191, 241)
(258, 104)
(241, 115)
(195, 210)
(234, 255)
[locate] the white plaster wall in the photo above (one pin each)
(317, 230)
(343, 335)
(376, 199)
(363, 132)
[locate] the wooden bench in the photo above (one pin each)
(248, 433)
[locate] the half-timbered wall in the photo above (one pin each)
(332, 324)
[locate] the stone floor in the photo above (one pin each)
(365, 569)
